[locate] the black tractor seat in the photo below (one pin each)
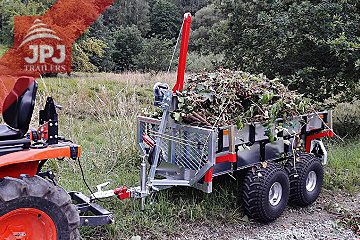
(7, 133)
(19, 106)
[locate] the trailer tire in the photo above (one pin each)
(265, 192)
(34, 207)
(306, 180)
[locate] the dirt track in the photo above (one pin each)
(317, 221)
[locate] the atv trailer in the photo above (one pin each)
(276, 172)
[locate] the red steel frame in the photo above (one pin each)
(328, 133)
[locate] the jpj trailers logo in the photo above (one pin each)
(43, 43)
(42, 48)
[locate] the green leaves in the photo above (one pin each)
(177, 116)
(228, 97)
(240, 124)
(266, 98)
(313, 45)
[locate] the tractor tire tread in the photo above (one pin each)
(36, 188)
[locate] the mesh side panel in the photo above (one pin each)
(182, 146)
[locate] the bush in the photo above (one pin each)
(155, 55)
(346, 119)
(198, 62)
(128, 44)
(206, 26)
(313, 45)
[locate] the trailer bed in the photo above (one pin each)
(191, 156)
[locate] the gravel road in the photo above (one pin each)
(317, 221)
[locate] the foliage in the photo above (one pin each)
(165, 19)
(226, 97)
(125, 13)
(191, 6)
(128, 44)
(3, 49)
(9, 9)
(314, 46)
(83, 49)
(105, 62)
(155, 55)
(207, 30)
(196, 62)
(343, 168)
(346, 119)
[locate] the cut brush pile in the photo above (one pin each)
(227, 97)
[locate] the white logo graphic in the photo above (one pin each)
(41, 52)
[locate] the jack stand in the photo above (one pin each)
(143, 181)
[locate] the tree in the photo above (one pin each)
(165, 20)
(124, 13)
(155, 55)
(207, 31)
(191, 6)
(128, 44)
(314, 46)
(84, 50)
(9, 9)
(99, 30)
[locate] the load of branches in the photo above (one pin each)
(227, 97)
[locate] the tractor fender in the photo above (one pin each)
(27, 161)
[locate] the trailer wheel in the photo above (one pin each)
(34, 208)
(306, 180)
(265, 192)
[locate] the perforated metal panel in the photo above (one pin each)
(191, 148)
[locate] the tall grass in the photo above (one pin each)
(343, 168)
(99, 113)
(346, 119)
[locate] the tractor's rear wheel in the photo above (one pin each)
(265, 192)
(306, 179)
(34, 208)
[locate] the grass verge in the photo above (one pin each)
(343, 168)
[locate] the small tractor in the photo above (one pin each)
(34, 206)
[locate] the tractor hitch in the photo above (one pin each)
(84, 204)
(122, 192)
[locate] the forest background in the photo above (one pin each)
(313, 46)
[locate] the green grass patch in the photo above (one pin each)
(343, 168)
